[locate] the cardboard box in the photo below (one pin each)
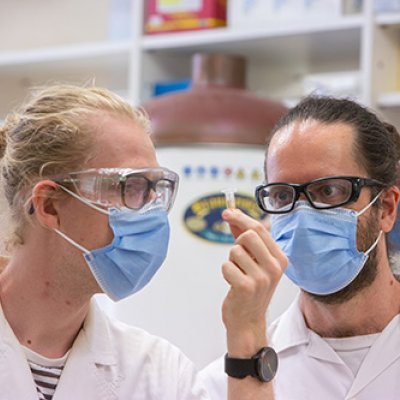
(181, 15)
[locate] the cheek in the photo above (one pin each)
(368, 230)
(97, 232)
(88, 227)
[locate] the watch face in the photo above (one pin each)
(268, 364)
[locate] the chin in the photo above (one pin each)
(362, 281)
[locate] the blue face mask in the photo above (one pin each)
(321, 246)
(136, 253)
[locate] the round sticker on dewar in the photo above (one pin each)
(202, 217)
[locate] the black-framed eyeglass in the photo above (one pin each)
(322, 193)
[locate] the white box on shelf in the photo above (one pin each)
(247, 13)
(386, 5)
(315, 9)
(120, 20)
(340, 84)
(389, 99)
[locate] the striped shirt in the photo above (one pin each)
(46, 372)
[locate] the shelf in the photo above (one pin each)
(388, 19)
(66, 53)
(220, 36)
(314, 40)
(89, 60)
(389, 100)
(106, 63)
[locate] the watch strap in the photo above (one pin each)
(263, 365)
(240, 367)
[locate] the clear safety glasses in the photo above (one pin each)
(323, 193)
(138, 189)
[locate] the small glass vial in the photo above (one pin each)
(229, 197)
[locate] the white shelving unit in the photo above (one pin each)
(279, 57)
(385, 76)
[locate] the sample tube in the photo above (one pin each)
(229, 197)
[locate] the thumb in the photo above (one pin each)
(230, 216)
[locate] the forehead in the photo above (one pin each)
(119, 142)
(307, 150)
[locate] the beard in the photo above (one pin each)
(367, 233)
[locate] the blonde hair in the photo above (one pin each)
(50, 135)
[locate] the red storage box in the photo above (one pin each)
(182, 15)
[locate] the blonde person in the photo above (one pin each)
(88, 204)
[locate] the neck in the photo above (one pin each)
(368, 312)
(43, 315)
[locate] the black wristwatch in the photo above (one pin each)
(262, 365)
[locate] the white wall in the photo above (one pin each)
(41, 23)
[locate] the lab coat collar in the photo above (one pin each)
(292, 331)
(12, 358)
(93, 354)
(91, 371)
(384, 352)
(6, 333)
(96, 333)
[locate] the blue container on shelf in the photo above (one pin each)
(160, 88)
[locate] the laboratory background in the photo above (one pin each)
(214, 76)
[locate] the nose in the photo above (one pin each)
(153, 195)
(302, 195)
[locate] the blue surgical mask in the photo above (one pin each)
(134, 256)
(321, 246)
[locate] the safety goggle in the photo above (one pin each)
(137, 189)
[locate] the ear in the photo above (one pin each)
(389, 200)
(45, 203)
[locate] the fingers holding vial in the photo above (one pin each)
(253, 270)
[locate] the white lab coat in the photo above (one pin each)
(108, 361)
(309, 369)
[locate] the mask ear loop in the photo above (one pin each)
(358, 213)
(374, 244)
(84, 201)
(380, 232)
(68, 239)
